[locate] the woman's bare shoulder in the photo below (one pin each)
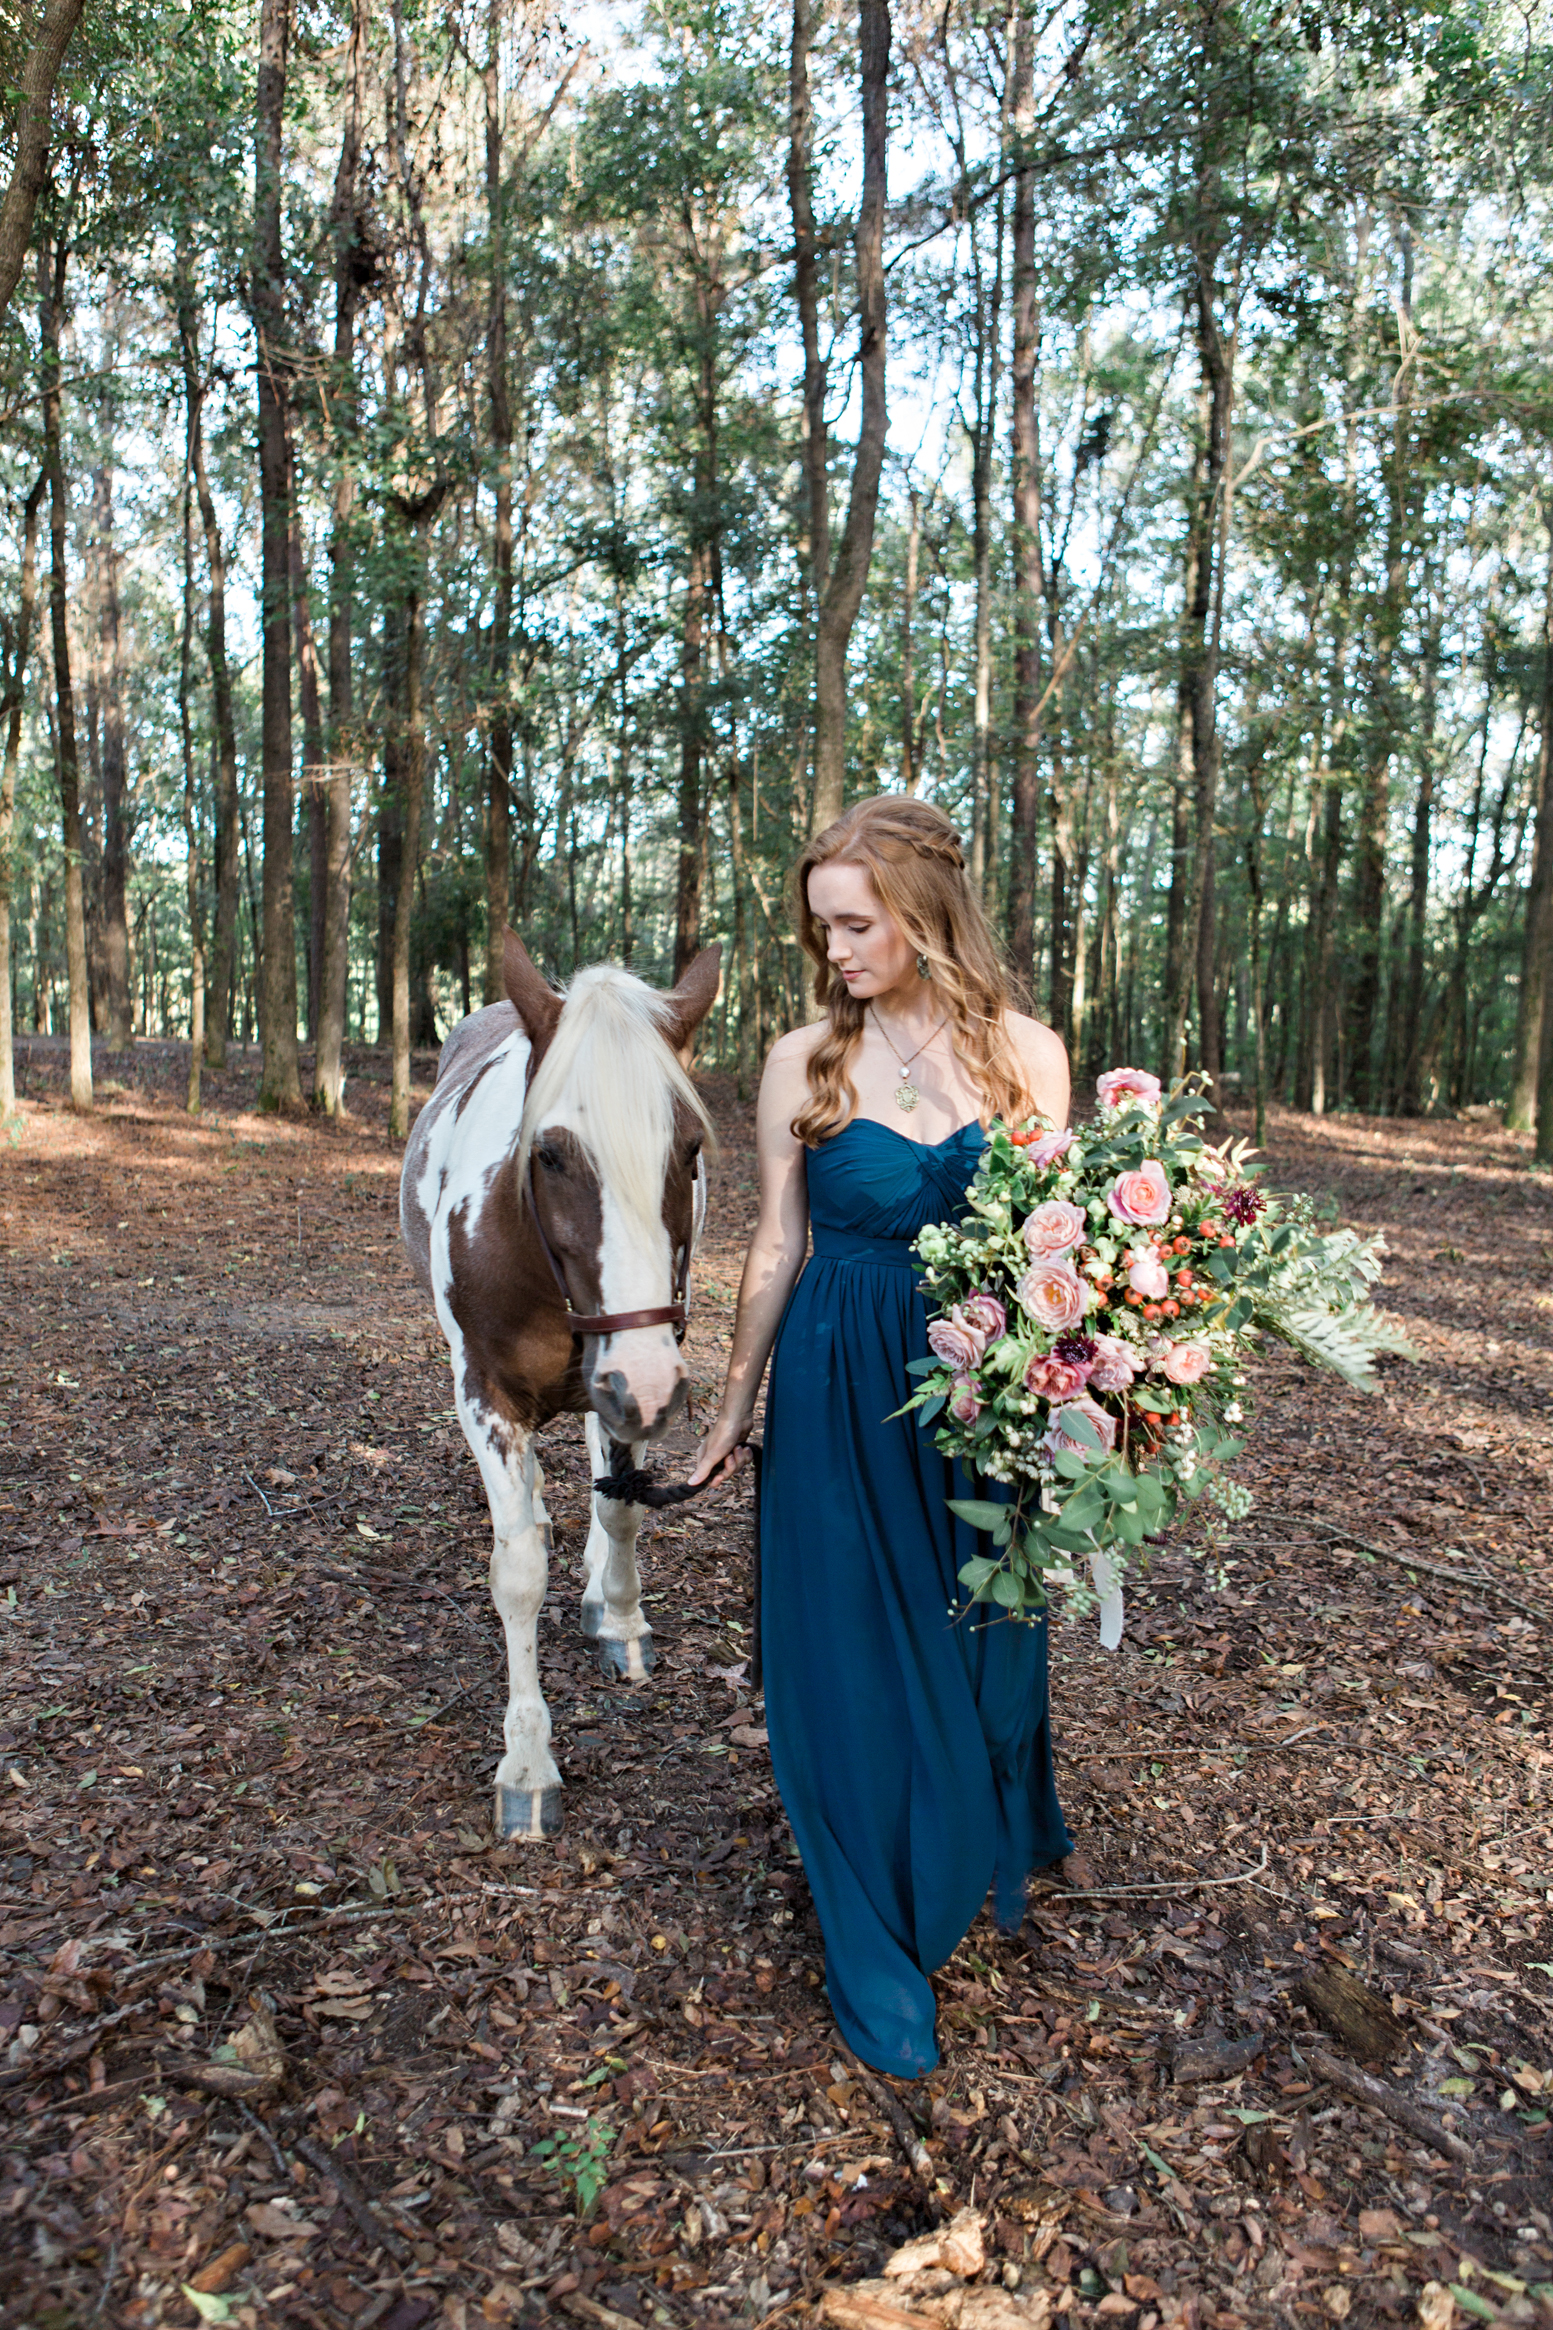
(1037, 1045)
(793, 1051)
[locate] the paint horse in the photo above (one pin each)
(552, 1195)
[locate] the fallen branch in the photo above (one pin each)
(1366, 2088)
(915, 2151)
(1436, 1569)
(352, 2199)
(1127, 1892)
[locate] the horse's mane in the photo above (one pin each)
(611, 1066)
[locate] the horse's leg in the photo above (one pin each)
(528, 1785)
(612, 1591)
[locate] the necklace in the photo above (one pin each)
(906, 1094)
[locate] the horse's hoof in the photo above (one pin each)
(627, 1662)
(524, 1815)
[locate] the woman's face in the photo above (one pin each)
(862, 940)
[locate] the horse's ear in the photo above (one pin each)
(694, 997)
(534, 1000)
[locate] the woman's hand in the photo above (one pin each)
(722, 1452)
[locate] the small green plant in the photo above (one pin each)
(580, 2160)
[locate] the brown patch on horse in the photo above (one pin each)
(517, 1345)
(693, 998)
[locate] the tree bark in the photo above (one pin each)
(1534, 1013)
(843, 592)
(115, 1022)
(186, 738)
(1409, 1079)
(51, 288)
(351, 266)
(910, 771)
(687, 894)
(814, 548)
(314, 773)
(414, 770)
(1029, 559)
(18, 647)
(279, 1084)
(498, 782)
(50, 38)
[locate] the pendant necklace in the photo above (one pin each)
(906, 1094)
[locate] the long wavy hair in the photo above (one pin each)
(912, 855)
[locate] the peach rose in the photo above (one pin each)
(1187, 1362)
(1140, 1196)
(1104, 1424)
(1119, 1085)
(984, 1315)
(1054, 1379)
(1114, 1367)
(1053, 1294)
(956, 1344)
(965, 1403)
(1054, 1227)
(1050, 1147)
(1148, 1277)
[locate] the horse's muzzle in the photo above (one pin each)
(619, 1409)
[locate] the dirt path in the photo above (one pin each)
(253, 1688)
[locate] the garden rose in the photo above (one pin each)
(1054, 1379)
(1104, 1424)
(1114, 1367)
(1119, 1085)
(1148, 1277)
(1053, 1294)
(1187, 1362)
(965, 1403)
(1140, 1196)
(952, 1341)
(1050, 1147)
(1054, 1227)
(985, 1315)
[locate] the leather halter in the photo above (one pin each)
(671, 1314)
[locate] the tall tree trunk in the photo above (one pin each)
(51, 290)
(498, 782)
(50, 37)
(114, 1022)
(989, 327)
(350, 266)
(910, 772)
(314, 773)
(1534, 1014)
(195, 906)
(1369, 896)
(843, 591)
(814, 546)
(390, 815)
(1409, 1092)
(1029, 559)
(279, 1084)
(414, 768)
(18, 647)
(223, 950)
(687, 893)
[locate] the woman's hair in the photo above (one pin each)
(912, 855)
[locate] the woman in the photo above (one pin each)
(909, 1733)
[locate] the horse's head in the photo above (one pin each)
(611, 1162)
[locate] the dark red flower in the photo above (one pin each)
(1243, 1205)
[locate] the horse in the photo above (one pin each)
(553, 1193)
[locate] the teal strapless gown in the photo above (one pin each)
(910, 1739)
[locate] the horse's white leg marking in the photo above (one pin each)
(612, 1590)
(528, 1785)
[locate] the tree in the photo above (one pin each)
(51, 35)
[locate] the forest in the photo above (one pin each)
(473, 464)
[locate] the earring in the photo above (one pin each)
(924, 967)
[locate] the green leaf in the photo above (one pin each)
(980, 1512)
(1130, 1524)
(1006, 1590)
(1471, 2303)
(1083, 1509)
(1239, 1311)
(207, 2304)
(1077, 1426)
(931, 1408)
(1071, 1464)
(923, 1366)
(1221, 1266)
(1120, 1486)
(977, 1571)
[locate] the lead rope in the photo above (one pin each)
(628, 1484)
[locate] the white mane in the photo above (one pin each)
(611, 1076)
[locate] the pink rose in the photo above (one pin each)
(965, 1403)
(1187, 1362)
(957, 1345)
(1113, 1368)
(1141, 1196)
(1053, 1294)
(1119, 1085)
(1054, 1227)
(1054, 1379)
(984, 1315)
(1146, 1275)
(1104, 1424)
(1049, 1148)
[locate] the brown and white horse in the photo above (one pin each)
(552, 1195)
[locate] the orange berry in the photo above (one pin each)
(1171, 1310)
(1226, 1241)
(1183, 1245)
(1151, 1310)
(1132, 1296)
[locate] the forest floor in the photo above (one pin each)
(252, 1691)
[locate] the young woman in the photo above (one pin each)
(909, 1730)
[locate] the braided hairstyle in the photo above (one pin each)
(913, 857)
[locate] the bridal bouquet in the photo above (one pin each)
(1094, 1310)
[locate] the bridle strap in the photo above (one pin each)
(674, 1314)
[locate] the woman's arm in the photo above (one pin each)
(1043, 1058)
(776, 1252)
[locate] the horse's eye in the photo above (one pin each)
(549, 1160)
(694, 1150)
